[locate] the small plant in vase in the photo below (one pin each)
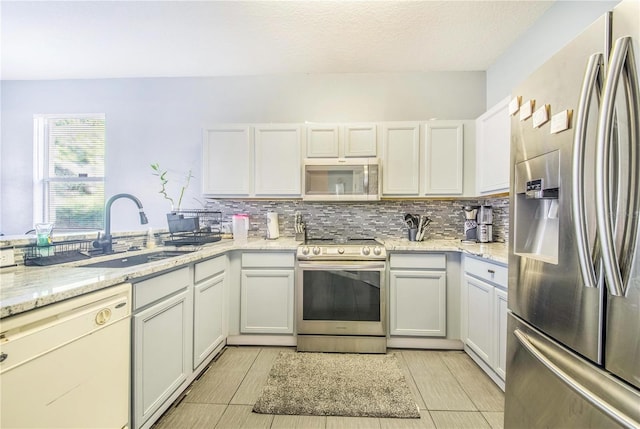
(177, 222)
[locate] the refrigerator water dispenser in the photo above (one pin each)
(536, 205)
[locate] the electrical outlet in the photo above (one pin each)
(6, 257)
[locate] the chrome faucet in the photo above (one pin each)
(106, 242)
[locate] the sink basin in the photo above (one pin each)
(129, 261)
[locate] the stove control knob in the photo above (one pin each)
(377, 250)
(316, 250)
(366, 250)
(305, 250)
(340, 250)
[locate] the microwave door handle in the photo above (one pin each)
(592, 81)
(622, 61)
(365, 184)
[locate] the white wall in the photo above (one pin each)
(558, 26)
(161, 120)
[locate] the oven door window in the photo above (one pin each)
(341, 295)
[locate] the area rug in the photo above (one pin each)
(336, 384)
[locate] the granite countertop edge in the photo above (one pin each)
(27, 288)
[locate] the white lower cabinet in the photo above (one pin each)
(179, 323)
(417, 295)
(209, 309)
(266, 293)
(479, 332)
(500, 332)
(161, 341)
(484, 315)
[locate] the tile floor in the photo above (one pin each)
(450, 389)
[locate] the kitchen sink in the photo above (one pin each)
(129, 261)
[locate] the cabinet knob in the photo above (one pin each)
(3, 357)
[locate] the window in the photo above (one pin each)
(69, 171)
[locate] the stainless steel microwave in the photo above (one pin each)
(342, 179)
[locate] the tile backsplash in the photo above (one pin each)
(382, 219)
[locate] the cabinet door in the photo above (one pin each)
(277, 160)
(479, 317)
(360, 140)
(226, 158)
(500, 332)
(401, 159)
(443, 158)
(493, 148)
(322, 141)
(208, 317)
(266, 301)
(161, 354)
(418, 304)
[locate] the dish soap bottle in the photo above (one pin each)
(151, 241)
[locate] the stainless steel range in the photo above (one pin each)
(341, 296)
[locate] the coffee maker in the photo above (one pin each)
(470, 224)
(485, 224)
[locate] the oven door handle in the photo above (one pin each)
(342, 265)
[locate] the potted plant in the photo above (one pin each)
(177, 222)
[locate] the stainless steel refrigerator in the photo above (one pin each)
(573, 354)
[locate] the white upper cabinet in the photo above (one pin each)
(424, 162)
(492, 149)
(252, 161)
(360, 140)
(322, 141)
(401, 159)
(226, 157)
(443, 158)
(341, 141)
(277, 160)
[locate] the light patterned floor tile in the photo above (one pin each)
(293, 422)
(256, 377)
(191, 416)
(484, 393)
(241, 417)
(410, 381)
(448, 384)
(334, 422)
(495, 419)
(459, 420)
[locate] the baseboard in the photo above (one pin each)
(486, 368)
(424, 343)
(261, 340)
(392, 342)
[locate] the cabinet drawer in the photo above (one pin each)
(428, 261)
(486, 270)
(210, 268)
(148, 291)
(267, 260)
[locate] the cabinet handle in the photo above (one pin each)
(3, 357)
(491, 272)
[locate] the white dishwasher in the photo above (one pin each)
(66, 365)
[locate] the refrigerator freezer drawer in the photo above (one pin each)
(550, 386)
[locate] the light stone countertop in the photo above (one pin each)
(26, 288)
(496, 252)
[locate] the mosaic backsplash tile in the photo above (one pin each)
(382, 219)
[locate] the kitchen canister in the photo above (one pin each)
(273, 230)
(240, 228)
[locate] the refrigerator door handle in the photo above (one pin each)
(574, 385)
(592, 81)
(622, 61)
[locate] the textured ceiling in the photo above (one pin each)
(100, 39)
